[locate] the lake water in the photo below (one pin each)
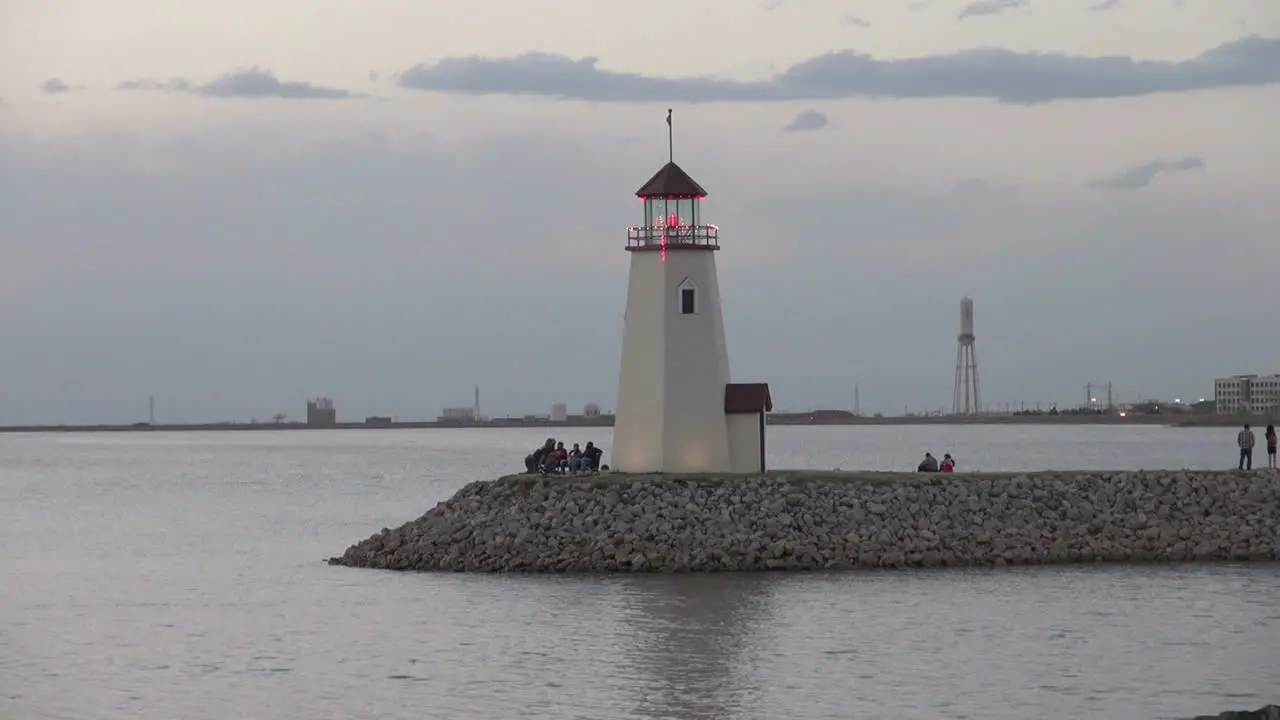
(162, 576)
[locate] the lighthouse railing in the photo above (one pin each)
(700, 236)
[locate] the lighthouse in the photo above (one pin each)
(677, 410)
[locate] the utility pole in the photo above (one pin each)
(151, 410)
(857, 404)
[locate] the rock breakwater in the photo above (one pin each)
(805, 520)
(1266, 712)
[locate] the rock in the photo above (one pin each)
(1267, 712)
(820, 520)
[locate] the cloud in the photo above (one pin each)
(251, 83)
(983, 8)
(1004, 75)
(980, 189)
(854, 21)
(55, 86)
(1107, 5)
(806, 121)
(1143, 175)
(768, 5)
(174, 85)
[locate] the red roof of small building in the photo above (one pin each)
(747, 398)
(671, 181)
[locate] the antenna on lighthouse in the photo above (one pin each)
(671, 143)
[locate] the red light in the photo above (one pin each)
(664, 247)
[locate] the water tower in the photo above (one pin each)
(966, 400)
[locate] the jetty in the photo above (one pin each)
(810, 520)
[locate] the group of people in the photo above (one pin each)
(931, 464)
(1245, 441)
(552, 457)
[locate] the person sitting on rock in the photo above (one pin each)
(556, 461)
(928, 464)
(575, 459)
(534, 460)
(948, 463)
(591, 457)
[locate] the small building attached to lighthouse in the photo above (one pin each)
(677, 410)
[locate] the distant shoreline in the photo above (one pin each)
(823, 418)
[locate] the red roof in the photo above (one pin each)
(671, 181)
(747, 398)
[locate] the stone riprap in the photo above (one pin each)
(806, 520)
(1266, 712)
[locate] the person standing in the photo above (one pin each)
(1245, 440)
(1271, 445)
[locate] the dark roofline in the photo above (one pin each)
(740, 398)
(673, 182)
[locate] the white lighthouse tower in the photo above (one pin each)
(677, 411)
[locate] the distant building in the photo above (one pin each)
(559, 413)
(1204, 407)
(321, 413)
(1155, 407)
(377, 421)
(457, 416)
(1246, 394)
(591, 410)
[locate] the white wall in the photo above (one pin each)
(670, 414)
(637, 424)
(744, 442)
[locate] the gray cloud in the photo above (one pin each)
(980, 189)
(1143, 175)
(772, 4)
(252, 83)
(55, 86)
(806, 121)
(1107, 5)
(1004, 75)
(174, 85)
(854, 21)
(983, 8)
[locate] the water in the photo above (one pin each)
(160, 576)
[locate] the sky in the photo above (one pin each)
(235, 206)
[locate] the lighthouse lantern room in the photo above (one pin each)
(677, 411)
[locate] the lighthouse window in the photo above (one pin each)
(688, 301)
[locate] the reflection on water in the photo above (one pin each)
(688, 642)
